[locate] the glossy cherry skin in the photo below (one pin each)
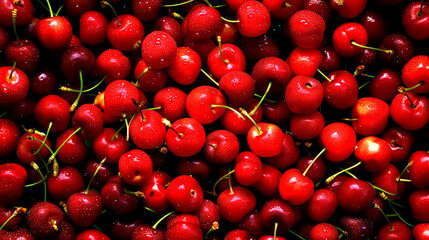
(307, 28)
(272, 69)
(93, 28)
(330, 59)
(144, 231)
(89, 118)
(76, 59)
(237, 234)
(190, 139)
(151, 80)
(54, 33)
(268, 183)
(5, 214)
(386, 180)
(233, 206)
(147, 130)
(252, 223)
(277, 112)
(170, 26)
(73, 150)
(260, 47)
(400, 142)
(185, 193)
(202, 22)
(267, 141)
(172, 101)
(238, 86)
(355, 195)
(109, 147)
(410, 111)
(232, 54)
(146, 11)
(24, 13)
(25, 53)
(13, 89)
(200, 101)
(184, 226)
(322, 205)
(375, 25)
(415, 71)
(27, 145)
(304, 61)
(317, 170)
(125, 35)
(374, 152)
(289, 154)
(186, 66)
(418, 201)
(41, 219)
(9, 135)
(114, 64)
(254, 19)
(399, 230)
(307, 126)
(119, 98)
(341, 92)
(402, 47)
(221, 146)
(348, 9)
(323, 230)
(238, 124)
(208, 215)
(277, 211)
(416, 24)
(295, 187)
(372, 116)
(332, 138)
(421, 231)
(53, 108)
(418, 170)
(14, 176)
(385, 85)
(84, 207)
(155, 192)
(345, 34)
(114, 199)
(135, 167)
(68, 181)
(92, 234)
(303, 94)
(76, 8)
(159, 50)
(194, 166)
(248, 168)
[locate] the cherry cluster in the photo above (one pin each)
(209, 119)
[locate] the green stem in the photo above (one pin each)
(245, 113)
(363, 85)
(62, 88)
(296, 234)
(266, 99)
(219, 41)
(50, 8)
(177, 4)
(52, 157)
(44, 140)
(262, 99)
(276, 224)
(43, 5)
(106, 3)
(323, 75)
(13, 69)
(76, 102)
(14, 214)
(59, 9)
(34, 184)
(371, 48)
(228, 107)
(209, 77)
(93, 176)
(151, 210)
(208, 3)
(312, 162)
(231, 21)
(4, 113)
(213, 192)
(384, 215)
(349, 173)
(14, 15)
(329, 179)
(161, 219)
(399, 216)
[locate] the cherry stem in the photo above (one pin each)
(33, 130)
(106, 3)
(127, 125)
(1, 115)
(219, 41)
(270, 83)
(52, 157)
(14, 15)
(151, 210)
(266, 99)
(208, 3)
(34, 184)
(137, 193)
(276, 224)
(137, 84)
(95, 173)
(399, 216)
(371, 48)
(349, 119)
(332, 177)
(228, 107)
(230, 186)
(154, 108)
(228, 20)
(245, 113)
(404, 89)
(161, 219)
(215, 226)
(66, 89)
(31, 138)
(296, 234)
(175, 15)
(363, 85)
(43, 5)
(96, 227)
(409, 99)
(59, 9)
(50, 8)
(397, 187)
(376, 206)
(220, 6)
(342, 231)
(46, 137)
(213, 192)
(323, 75)
(177, 4)
(404, 180)
(37, 169)
(349, 173)
(13, 69)
(18, 211)
(420, 13)
(209, 77)
(314, 159)
(76, 102)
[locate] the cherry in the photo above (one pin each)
(307, 126)
(254, 19)
(268, 237)
(237, 234)
(10, 217)
(4, 38)
(417, 170)
(155, 192)
(19, 233)
(114, 64)
(14, 85)
(268, 183)
(307, 29)
(345, 35)
(323, 231)
(387, 179)
(44, 220)
(110, 145)
(186, 137)
(52, 112)
(120, 97)
(402, 47)
(201, 22)
(185, 68)
(68, 181)
(72, 149)
(374, 24)
(202, 47)
(159, 50)
(148, 79)
(414, 20)
(265, 139)
(385, 84)
(235, 203)
(197, 167)
(92, 234)
(14, 177)
(257, 48)
(84, 207)
(303, 94)
(340, 89)
(322, 205)
(144, 231)
(281, 9)
(330, 59)
(205, 104)
(420, 231)
(397, 230)
(208, 215)
(135, 167)
(289, 154)
(24, 14)
(277, 112)
(400, 142)
(347, 8)
(172, 103)
(146, 11)
(248, 168)
(238, 86)
(339, 139)
(93, 27)
(228, 32)
(252, 223)
(317, 169)
(304, 61)
(115, 198)
(171, 26)
(414, 74)
(75, 61)
(43, 82)
(104, 173)
(185, 193)
(370, 116)
(25, 53)
(9, 135)
(221, 146)
(147, 130)
(367, 58)
(374, 152)
(355, 195)
(237, 123)
(124, 32)
(184, 226)
(28, 144)
(295, 187)
(277, 212)
(229, 58)
(89, 119)
(409, 110)
(54, 33)
(271, 69)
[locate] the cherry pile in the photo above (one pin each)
(208, 119)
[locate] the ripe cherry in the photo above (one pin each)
(400, 142)
(24, 13)
(155, 192)
(135, 167)
(339, 139)
(289, 154)
(186, 137)
(146, 11)
(159, 50)
(120, 97)
(89, 119)
(307, 29)
(265, 139)
(304, 61)
(116, 199)
(409, 110)
(114, 64)
(172, 103)
(185, 193)
(280, 212)
(418, 201)
(268, 183)
(295, 187)
(201, 22)
(374, 152)
(235, 203)
(14, 85)
(14, 176)
(93, 28)
(387, 179)
(44, 220)
(72, 149)
(345, 35)
(68, 181)
(110, 145)
(186, 66)
(417, 171)
(184, 226)
(421, 231)
(375, 25)
(92, 234)
(385, 85)
(348, 8)
(254, 19)
(414, 73)
(52, 112)
(147, 130)
(256, 48)
(238, 86)
(208, 215)
(402, 47)
(323, 231)
(303, 94)
(248, 168)
(54, 33)
(322, 205)
(9, 135)
(229, 58)
(221, 147)
(340, 89)
(205, 104)
(124, 32)
(84, 207)
(148, 79)
(271, 69)
(414, 20)
(307, 126)
(370, 116)
(355, 195)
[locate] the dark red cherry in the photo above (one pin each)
(13, 176)
(84, 207)
(10, 135)
(146, 11)
(44, 220)
(184, 226)
(322, 205)
(238, 86)
(385, 85)
(221, 147)
(235, 203)
(355, 195)
(277, 211)
(402, 47)
(348, 8)
(115, 199)
(73, 149)
(124, 32)
(208, 215)
(68, 181)
(25, 53)
(289, 154)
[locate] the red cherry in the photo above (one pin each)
(170, 26)
(89, 119)
(146, 11)
(105, 172)
(341, 90)
(115, 199)
(418, 201)
(184, 226)
(248, 168)
(421, 231)
(25, 53)
(385, 85)
(374, 152)
(172, 102)
(304, 61)
(254, 19)
(185, 194)
(114, 64)
(289, 154)
(277, 211)
(386, 179)
(43, 83)
(72, 148)
(418, 169)
(317, 170)
(110, 146)
(415, 19)
(256, 48)
(410, 110)
(235, 203)
(120, 97)
(202, 104)
(295, 187)
(24, 13)
(348, 8)
(398, 230)
(277, 112)
(322, 205)
(330, 59)
(307, 126)
(124, 32)
(265, 140)
(202, 22)
(271, 69)
(159, 50)
(9, 134)
(355, 195)
(323, 231)
(187, 138)
(415, 71)
(400, 142)
(347, 33)
(92, 234)
(375, 25)
(281, 9)
(53, 109)
(238, 124)
(228, 32)
(268, 183)
(135, 167)
(144, 231)
(147, 130)
(370, 115)
(197, 167)
(84, 207)
(28, 144)
(221, 147)
(303, 94)
(14, 85)
(232, 55)
(339, 139)
(208, 215)
(68, 181)
(78, 7)
(76, 60)
(186, 67)
(150, 80)
(43, 220)
(402, 47)
(13, 176)
(238, 86)
(155, 192)
(307, 28)
(54, 32)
